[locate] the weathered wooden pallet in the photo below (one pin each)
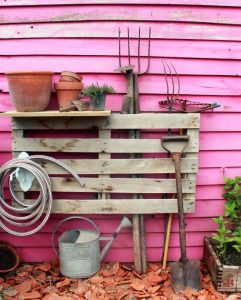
(226, 278)
(107, 167)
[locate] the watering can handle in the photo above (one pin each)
(67, 219)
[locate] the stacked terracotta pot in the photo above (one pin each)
(68, 89)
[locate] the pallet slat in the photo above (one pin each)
(117, 185)
(94, 145)
(115, 121)
(120, 206)
(123, 166)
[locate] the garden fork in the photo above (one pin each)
(131, 104)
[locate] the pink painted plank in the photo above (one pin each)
(108, 47)
(211, 192)
(5, 124)
(214, 176)
(154, 240)
(120, 13)
(220, 141)
(190, 85)
(5, 103)
(222, 159)
(220, 122)
(5, 138)
(121, 255)
(215, 208)
(4, 157)
(153, 224)
(110, 64)
(177, 31)
(230, 3)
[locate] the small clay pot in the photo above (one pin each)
(30, 91)
(67, 92)
(9, 259)
(70, 76)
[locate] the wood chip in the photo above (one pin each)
(137, 285)
(65, 282)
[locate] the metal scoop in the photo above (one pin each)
(185, 274)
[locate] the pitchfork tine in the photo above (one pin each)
(119, 32)
(139, 47)
(148, 53)
(129, 51)
(178, 81)
(167, 84)
(173, 86)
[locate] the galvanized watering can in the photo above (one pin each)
(79, 249)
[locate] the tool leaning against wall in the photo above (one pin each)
(131, 104)
(174, 104)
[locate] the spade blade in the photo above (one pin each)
(185, 275)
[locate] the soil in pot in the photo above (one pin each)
(231, 256)
(67, 92)
(30, 91)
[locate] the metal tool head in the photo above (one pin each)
(139, 71)
(173, 103)
(175, 143)
(175, 85)
(185, 275)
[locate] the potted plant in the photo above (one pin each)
(97, 94)
(222, 251)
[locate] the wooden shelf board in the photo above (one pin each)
(56, 113)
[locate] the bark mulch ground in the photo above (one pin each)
(113, 282)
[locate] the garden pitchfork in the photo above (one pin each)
(131, 104)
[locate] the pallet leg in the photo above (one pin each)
(137, 243)
(143, 244)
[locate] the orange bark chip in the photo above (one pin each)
(154, 289)
(154, 278)
(121, 294)
(46, 266)
(137, 285)
(32, 295)
(65, 282)
(24, 287)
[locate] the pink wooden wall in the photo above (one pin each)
(202, 38)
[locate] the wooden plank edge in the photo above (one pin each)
(56, 113)
(123, 206)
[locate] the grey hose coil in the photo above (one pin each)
(32, 211)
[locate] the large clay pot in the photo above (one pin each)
(30, 91)
(67, 92)
(9, 259)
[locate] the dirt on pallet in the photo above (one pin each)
(114, 281)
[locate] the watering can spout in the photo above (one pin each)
(125, 222)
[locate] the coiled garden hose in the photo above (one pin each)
(32, 212)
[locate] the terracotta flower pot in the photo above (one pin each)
(67, 92)
(9, 259)
(70, 76)
(30, 91)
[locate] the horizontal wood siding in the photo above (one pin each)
(202, 39)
